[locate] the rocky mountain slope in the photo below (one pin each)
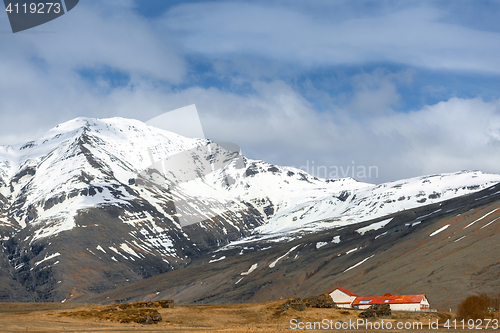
(96, 205)
(447, 251)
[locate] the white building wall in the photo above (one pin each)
(400, 307)
(341, 297)
(405, 307)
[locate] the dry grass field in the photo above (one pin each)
(258, 317)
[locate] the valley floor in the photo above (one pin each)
(258, 317)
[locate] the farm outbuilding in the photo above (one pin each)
(347, 299)
(397, 303)
(343, 298)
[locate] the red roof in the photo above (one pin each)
(398, 299)
(350, 293)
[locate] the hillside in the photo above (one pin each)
(96, 205)
(447, 251)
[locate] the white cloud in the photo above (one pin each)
(278, 125)
(376, 92)
(452, 135)
(413, 35)
(96, 36)
(40, 85)
(40, 88)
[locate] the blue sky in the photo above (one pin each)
(411, 87)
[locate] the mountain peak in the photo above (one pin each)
(139, 199)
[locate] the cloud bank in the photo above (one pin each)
(334, 84)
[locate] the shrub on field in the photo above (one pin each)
(141, 312)
(150, 304)
(377, 311)
(321, 301)
(475, 307)
(294, 303)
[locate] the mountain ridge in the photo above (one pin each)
(421, 250)
(135, 201)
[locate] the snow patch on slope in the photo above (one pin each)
(273, 264)
(373, 226)
(253, 268)
(47, 257)
(359, 263)
(439, 230)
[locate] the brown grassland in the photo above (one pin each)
(255, 317)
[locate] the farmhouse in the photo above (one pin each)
(346, 299)
(343, 297)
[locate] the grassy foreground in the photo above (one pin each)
(257, 317)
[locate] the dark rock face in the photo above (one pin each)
(11, 290)
(103, 253)
(252, 170)
(29, 171)
(344, 195)
(273, 169)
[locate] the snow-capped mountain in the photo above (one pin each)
(445, 250)
(372, 201)
(45, 178)
(131, 201)
(88, 163)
